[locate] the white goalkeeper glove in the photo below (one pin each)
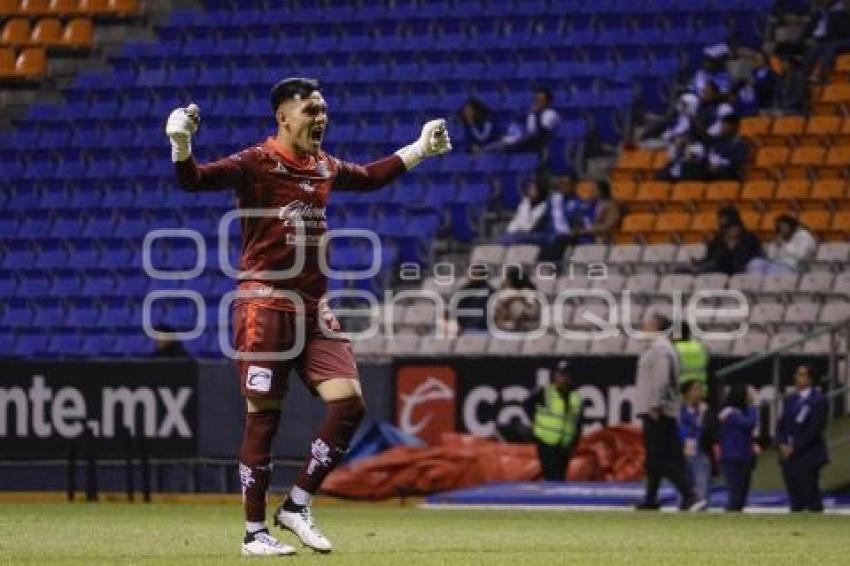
(181, 124)
(434, 140)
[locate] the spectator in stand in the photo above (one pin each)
(478, 125)
(687, 162)
(564, 217)
(695, 433)
(540, 124)
(792, 88)
(737, 455)
(828, 30)
(713, 106)
(792, 245)
(675, 126)
(758, 91)
(732, 248)
(802, 448)
(601, 215)
(713, 69)
(526, 227)
(728, 152)
(516, 310)
(166, 346)
(471, 311)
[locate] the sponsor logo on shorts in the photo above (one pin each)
(425, 401)
(259, 379)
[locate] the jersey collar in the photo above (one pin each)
(299, 162)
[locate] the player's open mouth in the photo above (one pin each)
(316, 134)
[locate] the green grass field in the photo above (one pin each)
(183, 534)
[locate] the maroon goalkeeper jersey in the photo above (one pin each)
(294, 193)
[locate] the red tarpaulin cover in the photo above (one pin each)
(462, 460)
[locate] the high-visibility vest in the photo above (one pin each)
(556, 421)
(693, 359)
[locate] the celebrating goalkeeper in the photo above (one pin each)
(290, 176)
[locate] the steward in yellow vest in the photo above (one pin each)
(693, 358)
(556, 423)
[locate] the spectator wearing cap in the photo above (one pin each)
(737, 421)
(828, 30)
(526, 227)
(802, 448)
(601, 215)
(727, 152)
(713, 69)
(478, 125)
(732, 248)
(540, 124)
(657, 404)
(791, 247)
(556, 415)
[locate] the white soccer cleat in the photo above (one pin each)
(263, 544)
(301, 524)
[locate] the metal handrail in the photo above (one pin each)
(723, 372)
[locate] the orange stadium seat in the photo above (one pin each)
(816, 220)
(829, 191)
(65, 7)
(7, 62)
(843, 62)
(792, 190)
(808, 155)
(751, 218)
(124, 8)
(78, 33)
(31, 63)
(584, 189)
(686, 195)
(755, 126)
(772, 156)
(838, 155)
(722, 191)
(823, 125)
(660, 159)
(623, 191)
(9, 7)
(836, 93)
(35, 7)
(16, 31)
(47, 31)
(757, 191)
(670, 227)
(636, 224)
(702, 225)
(784, 130)
(94, 7)
(840, 226)
(636, 159)
(650, 195)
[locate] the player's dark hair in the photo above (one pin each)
(293, 88)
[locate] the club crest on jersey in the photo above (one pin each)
(322, 169)
(306, 186)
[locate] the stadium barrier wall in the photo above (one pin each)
(191, 413)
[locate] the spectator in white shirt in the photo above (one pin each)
(527, 223)
(791, 247)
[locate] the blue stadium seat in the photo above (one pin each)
(99, 282)
(7, 342)
(16, 313)
(49, 313)
(51, 254)
(8, 283)
(97, 343)
(67, 224)
(99, 222)
(85, 252)
(66, 282)
(31, 343)
(33, 283)
(83, 312)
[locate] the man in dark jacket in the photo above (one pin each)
(727, 152)
(802, 448)
(732, 248)
(829, 31)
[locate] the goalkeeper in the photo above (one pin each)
(292, 178)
